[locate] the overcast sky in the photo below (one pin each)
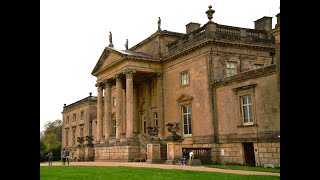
(73, 34)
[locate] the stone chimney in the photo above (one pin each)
(278, 20)
(264, 23)
(192, 26)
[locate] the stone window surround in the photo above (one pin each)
(81, 126)
(184, 100)
(188, 76)
(74, 136)
(82, 114)
(74, 117)
(153, 117)
(246, 90)
(67, 137)
(254, 63)
(237, 62)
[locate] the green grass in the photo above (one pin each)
(107, 172)
(247, 168)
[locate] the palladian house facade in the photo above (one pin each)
(218, 83)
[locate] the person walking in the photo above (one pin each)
(50, 156)
(67, 156)
(63, 156)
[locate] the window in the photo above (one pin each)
(67, 121)
(114, 101)
(114, 127)
(185, 78)
(81, 131)
(82, 114)
(74, 117)
(155, 114)
(186, 116)
(67, 137)
(73, 137)
(256, 66)
(245, 104)
(246, 109)
(231, 68)
(185, 103)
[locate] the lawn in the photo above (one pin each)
(247, 168)
(107, 172)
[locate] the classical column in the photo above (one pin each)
(160, 105)
(99, 113)
(148, 102)
(129, 102)
(118, 106)
(107, 110)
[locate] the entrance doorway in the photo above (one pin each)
(249, 154)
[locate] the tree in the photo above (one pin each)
(50, 138)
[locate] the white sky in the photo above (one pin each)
(73, 34)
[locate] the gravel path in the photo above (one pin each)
(164, 166)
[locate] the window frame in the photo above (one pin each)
(81, 131)
(236, 66)
(189, 123)
(74, 117)
(82, 115)
(67, 137)
(74, 136)
(260, 64)
(246, 106)
(187, 72)
(239, 92)
(185, 100)
(156, 118)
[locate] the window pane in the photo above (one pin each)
(185, 129)
(185, 119)
(189, 109)
(244, 100)
(184, 109)
(245, 112)
(250, 110)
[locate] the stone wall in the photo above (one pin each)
(116, 153)
(268, 154)
(233, 153)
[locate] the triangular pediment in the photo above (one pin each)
(184, 98)
(107, 58)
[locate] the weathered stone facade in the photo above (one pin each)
(221, 83)
(79, 119)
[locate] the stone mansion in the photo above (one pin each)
(220, 83)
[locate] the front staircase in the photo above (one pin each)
(143, 140)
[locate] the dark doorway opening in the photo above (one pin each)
(249, 154)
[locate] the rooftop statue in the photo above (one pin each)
(159, 24)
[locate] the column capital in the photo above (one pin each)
(107, 83)
(129, 72)
(99, 84)
(117, 77)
